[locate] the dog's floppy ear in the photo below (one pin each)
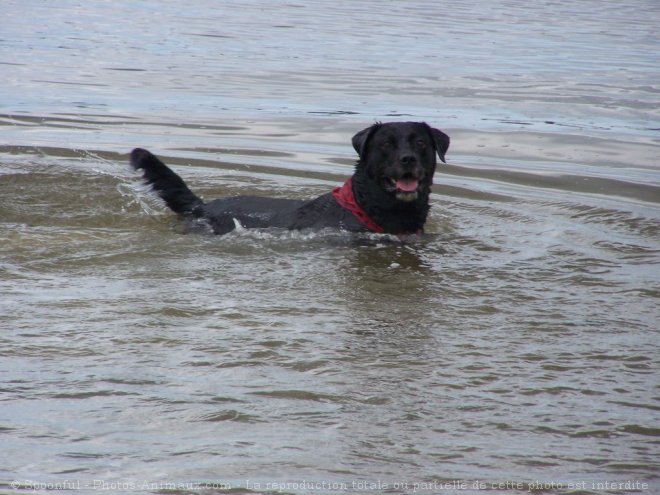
(361, 138)
(441, 141)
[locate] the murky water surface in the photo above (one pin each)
(515, 347)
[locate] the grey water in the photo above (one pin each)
(512, 349)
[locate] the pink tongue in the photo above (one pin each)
(407, 185)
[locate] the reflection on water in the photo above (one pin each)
(515, 343)
(592, 68)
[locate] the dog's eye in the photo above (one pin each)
(386, 145)
(421, 144)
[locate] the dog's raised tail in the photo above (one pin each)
(169, 186)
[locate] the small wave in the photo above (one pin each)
(90, 394)
(300, 395)
(228, 415)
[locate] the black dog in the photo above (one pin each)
(388, 193)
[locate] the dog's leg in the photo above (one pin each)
(167, 184)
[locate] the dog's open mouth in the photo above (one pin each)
(404, 187)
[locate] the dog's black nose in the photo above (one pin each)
(407, 160)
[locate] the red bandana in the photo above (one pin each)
(344, 196)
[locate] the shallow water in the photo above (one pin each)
(514, 347)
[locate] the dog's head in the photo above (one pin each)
(400, 156)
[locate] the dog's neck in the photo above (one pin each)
(394, 216)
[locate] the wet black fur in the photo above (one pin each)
(387, 152)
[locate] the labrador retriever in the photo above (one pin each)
(388, 192)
